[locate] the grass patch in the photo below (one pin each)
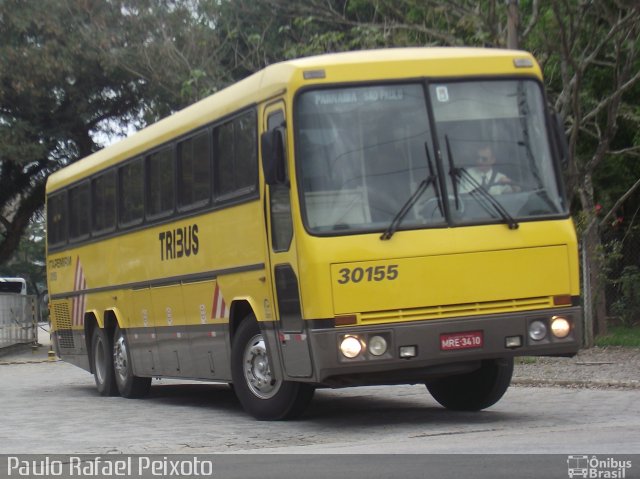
(525, 360)
(620, 336)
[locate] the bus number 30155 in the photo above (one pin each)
(372, 273)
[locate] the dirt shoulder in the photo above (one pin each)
(611, 367)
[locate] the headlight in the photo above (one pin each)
(350, 347)
(537, 330)
(560, 327)
(377, 345)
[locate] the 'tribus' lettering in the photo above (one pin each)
(179, 242)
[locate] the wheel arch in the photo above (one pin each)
(92, 320)
(90, 323)
(112, 318)
(239, 310)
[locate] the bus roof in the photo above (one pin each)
(289, 76)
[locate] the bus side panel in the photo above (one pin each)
(142, 335)
(68, 341)
(173, 340)
(207, 320)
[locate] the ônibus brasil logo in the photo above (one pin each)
(594, 467)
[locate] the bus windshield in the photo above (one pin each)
(369, 154)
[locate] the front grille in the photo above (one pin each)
(447, 311)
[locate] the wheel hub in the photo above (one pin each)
(120, 357)
(257, 371)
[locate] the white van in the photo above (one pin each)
(13, 285)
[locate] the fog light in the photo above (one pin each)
(560, 327)
(512, 342)
(408, 352)
(377, 345)
(350, 347)
(537, 330)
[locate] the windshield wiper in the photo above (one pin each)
(478, 189)
(422, 187)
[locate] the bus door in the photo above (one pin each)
(290, 327)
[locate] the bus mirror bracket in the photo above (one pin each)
(273, 156)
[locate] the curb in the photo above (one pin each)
(577, 383)
(28, 361)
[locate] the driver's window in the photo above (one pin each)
(279, 200)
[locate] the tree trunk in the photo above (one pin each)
(595, 269)
(594, 261)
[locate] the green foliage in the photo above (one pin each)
(56, 90)
(620, 336)
(29, 260)
(78, 68)
(627, 306)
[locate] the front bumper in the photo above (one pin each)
(332, 368)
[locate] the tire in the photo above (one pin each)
(129, 385)
(261, 395)
(101, 354)
(476, 390)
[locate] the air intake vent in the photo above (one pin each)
(457, 310)
(62, 321)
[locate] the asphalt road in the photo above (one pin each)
(52, 407)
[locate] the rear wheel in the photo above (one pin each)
(102, 363)
(259, 392)
(476, 390)
(129, 385)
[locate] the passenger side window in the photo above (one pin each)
(57, 219)
(236, 156)
(194, 171)
(104, 202)
(160, 183)
(79, 212)
(131, 206)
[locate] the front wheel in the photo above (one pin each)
(260, 393)
(476, 390)
(129, 385)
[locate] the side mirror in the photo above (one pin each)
(273, 156)
(561, 138)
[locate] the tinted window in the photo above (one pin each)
(236, 156)
(79, 211)
(194, 171)
(493, 132)
(57, 219)
(131, 207)
(160, 186)
(363, 152)
(9, 286)
(104, 202)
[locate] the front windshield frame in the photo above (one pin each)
(442, 213)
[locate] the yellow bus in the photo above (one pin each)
(378, 217)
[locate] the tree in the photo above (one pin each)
(589, 54)
(117, 62)
(28, 260)
(593, 72)
(55, 93)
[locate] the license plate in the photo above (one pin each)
(464, 340)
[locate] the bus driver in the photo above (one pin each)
(486, 175)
